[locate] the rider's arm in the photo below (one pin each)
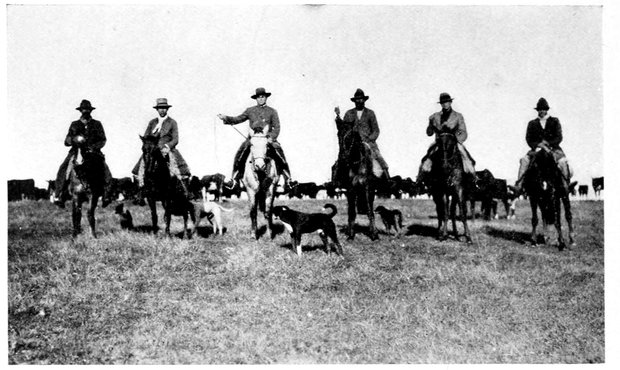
(173, 135)
(430, 129)
(228, 120)
(98, 140)
(374, 126)
(532, 137)
(461, 129)
(274, 126)
(556, 138)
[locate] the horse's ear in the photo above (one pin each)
(141, 137)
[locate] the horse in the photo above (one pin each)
(547, 189)
(161, 185)
(260, 178)
(360, 184)
(448, 187)
(86, 183)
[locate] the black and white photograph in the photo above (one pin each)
(350, 183)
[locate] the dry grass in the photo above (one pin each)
(135, 298)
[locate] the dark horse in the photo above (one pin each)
(160, 185)
(361, 182)
(86, 182)
(546, 188)
(448, 186)
(260, 178)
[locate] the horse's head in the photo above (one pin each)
(151, 154)
(354, 149)
(447, 146)
(258, 150)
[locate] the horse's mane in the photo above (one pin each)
(354, 150)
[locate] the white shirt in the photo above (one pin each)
(543, 121)
(160, 121)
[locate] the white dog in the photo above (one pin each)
(213, 211)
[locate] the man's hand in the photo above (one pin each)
(165, 150)
(79, 139)
(337, 110)
(221, 116)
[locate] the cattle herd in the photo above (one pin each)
(490, 190)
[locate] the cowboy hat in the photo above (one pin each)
(542, 104)
(260, 91)
(444, 98)
(162, 103)
(85, 104)
(359, 93)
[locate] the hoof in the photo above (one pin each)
(374, 237)
(468, 240)
(350, 237)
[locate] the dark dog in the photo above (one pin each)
(298, 223)
(126, 219)
(392, 218)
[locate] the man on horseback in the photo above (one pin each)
(259, 117)
(544, 132)
(364, 121)
(167, 130)
(447, 120)
(85, 137)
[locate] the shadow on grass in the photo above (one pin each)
(421, 230)
(306, 248)
(515, 236)
(207, 231)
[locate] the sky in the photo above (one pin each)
(495, 61)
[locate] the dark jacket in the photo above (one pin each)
(168, 134)
(455, 123)
(259, 116)
(366, 126)
(552, 133)
(92, 132)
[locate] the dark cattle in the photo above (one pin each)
(214, 184)
(489, 188)
(583, 190)
(21, 189)
(298, 190)
(40, 194)
(124, 186)
(393, 187)
(235, 191)
(598, 184)
(332, 191)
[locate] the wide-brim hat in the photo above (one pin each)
(260, 91)
(85, 104)
(542, 104)
(162, 103)
(444, 98)
(359, 94)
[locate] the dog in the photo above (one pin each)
(298, 223)
(392, 218)
(213, 212)
(125, 215)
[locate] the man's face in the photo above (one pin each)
(542, 113)
(162, 111)
(446, 105)
(261, 100)
(85, 113)
(359, 103)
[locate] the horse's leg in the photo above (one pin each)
(463, 205)
(453, 205)
(253, 214)
(192, 216)
(153, 207)
(91, 214)
(557, 210)
(352, 212)
(534, 207)
(442, 215)
(569, 220)
(268, 207)
(370, 198)
(76, 215)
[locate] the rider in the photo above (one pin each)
(453, 121)
(88, 135)
(166, 129)
(364, 121)
(544, 132)
(259, 116)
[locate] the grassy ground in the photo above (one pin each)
(135, 298)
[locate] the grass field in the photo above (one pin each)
(136, 298)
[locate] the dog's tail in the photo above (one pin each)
(225, 209)
(332, 208)
(400, 218)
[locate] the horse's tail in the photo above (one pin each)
(332, 208)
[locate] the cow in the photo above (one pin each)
(235, 190)
(127, 187)
(489, 188)
(598, 184)
(214, 184)
(40, 193)
(20, 189)
(332, 191)
(583, 191)
(301, 189)
(392, 187)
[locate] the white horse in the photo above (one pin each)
(260, 179)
